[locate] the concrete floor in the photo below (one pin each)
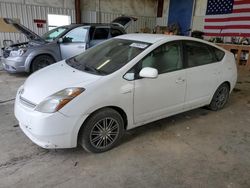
(199, 148)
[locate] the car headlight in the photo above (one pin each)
(58, 100)
(19, 52)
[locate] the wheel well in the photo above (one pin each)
(123, 114)
(118, 109)
(228, 84)
(30, 67)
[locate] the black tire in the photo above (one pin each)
(102, 131)
(220, 97)
(40, 62)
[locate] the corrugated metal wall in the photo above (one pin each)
(142, 22)
(26, 14)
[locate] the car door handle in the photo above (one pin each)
(180, 80)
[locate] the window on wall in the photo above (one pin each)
(55, 20)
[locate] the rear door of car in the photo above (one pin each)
(203, 73)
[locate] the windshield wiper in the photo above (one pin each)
(95, 70)
(73, 62)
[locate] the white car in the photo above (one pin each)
(125, 82)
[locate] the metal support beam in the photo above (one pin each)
(160, 8)
(78, 10)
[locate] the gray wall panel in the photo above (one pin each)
(26, 14)
(142, 22)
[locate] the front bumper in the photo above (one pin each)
(49, 131)
(14, 64)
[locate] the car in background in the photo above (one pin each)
(120, 84)
(57, 44)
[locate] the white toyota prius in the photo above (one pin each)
(93, 98)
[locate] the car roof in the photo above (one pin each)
(88, 25)
(149, 38)
(92, 24)
(154, 38)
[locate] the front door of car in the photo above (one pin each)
(164, 95)
(203, 74)
(73, 42)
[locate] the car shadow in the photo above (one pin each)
(161, 124)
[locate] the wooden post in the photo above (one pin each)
(78, 11)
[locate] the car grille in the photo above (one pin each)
(27, 103)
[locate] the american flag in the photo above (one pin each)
(227, 18)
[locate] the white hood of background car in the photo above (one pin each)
(54, 78)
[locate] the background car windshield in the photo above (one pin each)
(54, 33)
(107, 57)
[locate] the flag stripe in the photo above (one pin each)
(244, 14)
(242, 2)
(241, 6)
(227, 31)
(241, 10)
(228, 27)
(228, 34)
(227, 23)
(247, 18)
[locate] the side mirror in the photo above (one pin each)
(148, 72)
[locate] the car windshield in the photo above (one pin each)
(53, 34)
(108, 56)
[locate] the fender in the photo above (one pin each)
(51, 49)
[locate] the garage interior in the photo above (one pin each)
(198, 148)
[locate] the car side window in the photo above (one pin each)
(198, 54)
(165, 58)
(219, 54)
(115, 32)
(101, 34)
(75, 35)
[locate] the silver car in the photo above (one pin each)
(57, 44)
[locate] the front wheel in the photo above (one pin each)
(40, 62)
(220, 97)
(102, 131)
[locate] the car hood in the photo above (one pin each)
(21, 28)
(52, 79)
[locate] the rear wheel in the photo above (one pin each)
(102, 131)
(220, 97)
(40, 62)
